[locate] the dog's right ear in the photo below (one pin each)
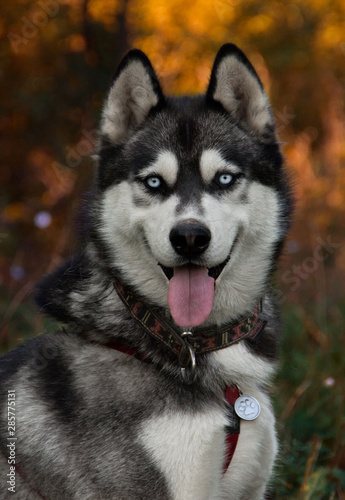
(134, 92)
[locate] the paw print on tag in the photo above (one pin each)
(247, 407)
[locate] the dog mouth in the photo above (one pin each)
(191, 291)
(213, 272)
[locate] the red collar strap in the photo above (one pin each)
(187, 345)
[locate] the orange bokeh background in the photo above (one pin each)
(59, 56)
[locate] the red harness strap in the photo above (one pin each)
(231, 393)
(126, 350)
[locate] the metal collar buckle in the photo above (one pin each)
(187, 360)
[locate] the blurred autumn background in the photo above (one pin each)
(57, 59)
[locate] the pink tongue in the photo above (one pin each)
(190, 296)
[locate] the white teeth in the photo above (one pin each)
(213, 272)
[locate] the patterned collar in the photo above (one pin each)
(187, 345)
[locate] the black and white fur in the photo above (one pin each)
(94, 423)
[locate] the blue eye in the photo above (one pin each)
(153, 182)
(225, 179)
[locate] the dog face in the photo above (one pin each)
(191, 201)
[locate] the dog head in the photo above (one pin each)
(192, 202)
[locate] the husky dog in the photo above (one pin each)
(170, 330)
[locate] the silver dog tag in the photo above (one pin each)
(247, 407)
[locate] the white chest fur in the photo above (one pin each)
(189, 450)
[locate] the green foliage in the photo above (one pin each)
(310, 405)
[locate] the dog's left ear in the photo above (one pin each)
(236, 86)
(133, 93)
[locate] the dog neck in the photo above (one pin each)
(189, 344)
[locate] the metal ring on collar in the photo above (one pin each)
(188, 375)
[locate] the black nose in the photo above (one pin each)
(190, 238)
